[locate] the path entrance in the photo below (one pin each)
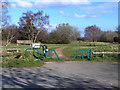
(59, 51)
(82, 54)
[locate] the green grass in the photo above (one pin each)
(70, 51)
(11, 61)
(22, 63)
(105, 58)
(97, 47)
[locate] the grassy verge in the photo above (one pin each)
(22, 63)
(105, 58)
(97, 47)
(12, 61)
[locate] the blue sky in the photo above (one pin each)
(75, 12)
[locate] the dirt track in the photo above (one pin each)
(59, 52)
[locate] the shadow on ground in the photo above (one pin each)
(45, 78)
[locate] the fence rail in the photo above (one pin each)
(106, 52)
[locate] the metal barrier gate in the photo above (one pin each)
(83, 58)
(89, 53)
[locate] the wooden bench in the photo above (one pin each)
(24, 42)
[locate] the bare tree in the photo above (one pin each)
(9, 33)
(32, 23)
(93, 33)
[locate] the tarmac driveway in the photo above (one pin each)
(69, 74)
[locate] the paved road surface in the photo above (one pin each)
(70, 74)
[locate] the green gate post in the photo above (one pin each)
(90, 53)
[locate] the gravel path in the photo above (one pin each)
(69, 74)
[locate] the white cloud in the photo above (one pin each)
(48, 3)
(24, 4)
(67, 0)
(74, 2)
(21, 3)
(51, 26)
(61, 12)
(84, 16)
(65, 14)
(102, 6)
(58, 3)
(79, 16)
(13, 5)
(100, 9)
(104, 0)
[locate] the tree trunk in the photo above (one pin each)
(9, 40)
(36, 36)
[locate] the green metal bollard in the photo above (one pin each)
(90, 53)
